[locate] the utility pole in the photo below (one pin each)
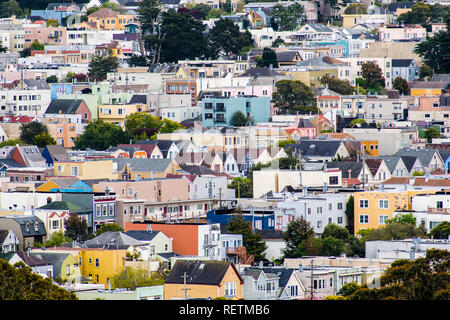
(185, 289)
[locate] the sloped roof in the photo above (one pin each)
(63, 205)
(390, 161)
(345, 166)
(425, 155)
(10, 163)
(286, 55)
(57, 153)
(155, 165)
(54, 258)
(430, 85)
(260, 72)
(199, 272)
(138, 98)
(197, 170)
(322, 148)
(113, 238)
(103, 13)
(409, 161)
(401, 62)
(65, 106)
(142, 235)
(30, 260)
(374, 165)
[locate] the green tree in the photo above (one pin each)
(401, 85)
(343, 87)
(290, 162)
(393, 231)
(355, 8)
(36, 45)
(43, 139)
(268, 58)
(57, 239)
(19, 282)
(226, 37)
(99, 66)
(11, 8)
(348, 289)
(243, 187)
(403, 218)
(425, 278)
(114, 227)
(99, 135)
(297, 231)
(69, 76)
(358, 122)
(373, 75)
(133, 278)
(441, 231)
(293, 96)
(76, 227)
(435, 51)
(425, 72)
(332, 246)
(29, 131)
(52, 23)
(350, 214)
(140, 124)
(52, 79)
(288, 18)
(137, 61)
(283, 143)
(335, 231)
(252, 241)
(239, 119)
(431, 133)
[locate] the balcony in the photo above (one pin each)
(236, 251)
(439, 210)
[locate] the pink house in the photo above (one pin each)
(158, 190)
(255, 90)
(395, 32)
(45, 35)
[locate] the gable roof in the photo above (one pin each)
(323, 148)
(54, 258)
(197, 170)
(390, 161)
(260, 72)
(64, 205)
(113, 238)
(155, 165)
(425, 155)
(31, 155)
(103, 13)
(409, 161)
(138, 98)
(345, 166)
(199, 272)
(374, 165)
(401, 62)
(142, 235)
(57, 152)
(30, 260)
(286, 55)
(64, 106)
(431, 85)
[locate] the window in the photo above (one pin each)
(363, 203)
(68, 270)
(55, 224)
(319, 224)
(339, 220)
(75, 171)
(97, 263)
(334, 180)
(293, 291)
(319, 210)
(230, 289)
(363, 218)
(383, 204)
(439, 204)
(339, 206)
(382, 219)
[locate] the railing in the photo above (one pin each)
(439, 210)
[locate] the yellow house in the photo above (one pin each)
(429, 88)
(107, 19)
(100, 265)
(204, 279)
(351, 20)
(311, 77)
(373, 208)
(116, 113)
(98, 169)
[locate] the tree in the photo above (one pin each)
(357, 122)
(335, 231)
(57, 239)
(226, 37)
(99, 135)
(332, 246)
(355, 8)
(296, 233)
(252, 241)
(114, 227)
(149, 15)
(401, 85)
(76, 227)
(268, 58)
(19, 282)
(425, 278)
(140, 125)
(181, 37)
(137, 61)
(277, 42)
(435, 51)
(403, 218)
(393, 231)
(242, 186)
(350, 214)
(431, 133)
(441, 231)
(343, 87)
(239, 119)
(293, 96)
(99, 67)
(36, 45)
(290, 162)
(43, 139)
(11, 8)
(425, 72)
(52, 79)
(133, 278)
(348, 289)
(373, 76)
(283, 143)
(29, 131)
(288, 18)
(52, 23)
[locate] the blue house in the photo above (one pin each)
(57, 89)
(259, 218)
(219, 111)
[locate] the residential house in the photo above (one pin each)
(147, 150)
(37, 265)
(323, 150)
(429, 88)
(70, 106)
(288, 57)
(430, 210)
(157, 242)
(406, 69)
(53, 153)
(204, 279)
(29, 156)
(132, 169)
(430, 109)
(429, 158)
(65, 265)
(353, 170)
(414, 32)
(412, 164)
(96, 169)
(168, 148)
(117, 113)
(396, 166)
(8, 241)
(379, 170)
(28, 229)
(107, 19)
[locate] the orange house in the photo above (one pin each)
(203, 279)
(185, 235)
